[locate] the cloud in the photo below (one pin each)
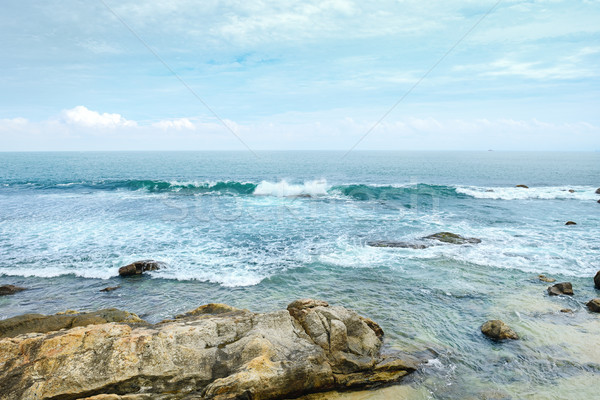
(81, 115)
(178, 123)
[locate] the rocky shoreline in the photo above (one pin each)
(213, 352)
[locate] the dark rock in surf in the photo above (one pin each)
(570, 223)
(139, 267)
(571, 191)
(402, 245)
(453, 238)
(522, 186)
(598, 191)
(6, 290)
(498, 330)
(594, 305)
(110, 288)
(566, 310)
(597, 280)
(561, 288)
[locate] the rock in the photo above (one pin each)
(10, 289)
(110, 288)
(597, 280)
(214, 352)
(571, 191)
(489, 190)
(570, 223)
(28, 323)
(403, 245)
(448, 237)
(561, 288)
(598, 201)
(522, 186)
(544, 278)
(498, 330)
(566, 310)
(598, 191)
(594, 305)
(139, 267)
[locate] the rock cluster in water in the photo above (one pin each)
(214, 352)
(426, 241)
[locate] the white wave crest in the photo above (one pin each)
(284, 189)
(533, 193)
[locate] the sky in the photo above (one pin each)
(299, 75)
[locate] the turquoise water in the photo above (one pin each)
(258, 232)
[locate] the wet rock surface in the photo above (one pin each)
(498, 330)
(6, 290)
(597, 280)
(139, 267)
(453, 238)
(213, 352)
(561, 288)
(594, 305)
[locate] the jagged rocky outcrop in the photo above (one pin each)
(214, 352)
(426, 241)
(453, 238)
(10, 289)
(139, 267)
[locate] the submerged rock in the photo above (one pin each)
(6, 290)
(214, 352)
(570, 223)
(497, 330)
(453, 238)
(403, 245)
(139, 267)
(561, 288)
(522, 186)
(597, 280)
(110, 288)
(544, 278)
(28, 323)
(594, 305)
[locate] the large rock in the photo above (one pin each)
(597, 280)
(453, 238)
(214, 352)
(561, 288)
(139, 267)
(498, 330)
(28, 323)
(10, 289)
(594, 305)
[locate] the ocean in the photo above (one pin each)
(259, 230)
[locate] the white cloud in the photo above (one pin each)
(81, 115)
(178, 124)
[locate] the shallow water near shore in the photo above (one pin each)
(259, 233)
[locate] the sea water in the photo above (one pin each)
(259, 230)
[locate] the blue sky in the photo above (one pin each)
(299, 75)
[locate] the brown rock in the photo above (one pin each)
(139, 267)
(561, 288)
(544, 278)
(110, 288)
(566, 310)
(216, 352)
(498, 330)
(594, 305)
(570, 223)
(10, 289)
(571, 191)
(28, 323)
(597, 280)
(522, 186)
